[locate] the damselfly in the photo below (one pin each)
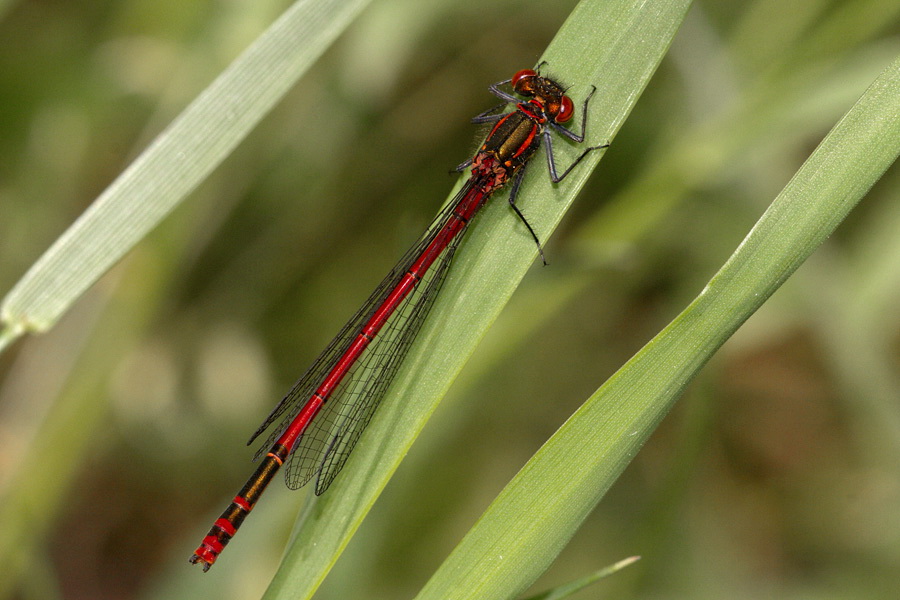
(319, 421)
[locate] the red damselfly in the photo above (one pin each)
(320, 420)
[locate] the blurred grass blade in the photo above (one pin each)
(564, 591)
(5, 5)
(175, 163)
(8, 335)
(538, 512)
(614, 44)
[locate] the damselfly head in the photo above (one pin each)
(549, 94)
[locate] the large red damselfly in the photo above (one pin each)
(320, 420)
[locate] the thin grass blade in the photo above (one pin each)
(173, 165)
(615, 45)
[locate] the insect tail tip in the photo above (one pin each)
(203, 562)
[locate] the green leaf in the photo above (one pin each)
(537, 513)
(615, 45)
(174, 164)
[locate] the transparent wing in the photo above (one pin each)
(331, 437)
(325, 446)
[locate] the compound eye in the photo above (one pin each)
(566, 108)
(521, 80)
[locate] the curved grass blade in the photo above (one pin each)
(174, 164)
(614, 44)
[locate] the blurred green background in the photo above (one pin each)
(122, 429)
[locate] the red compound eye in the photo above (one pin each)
(566, 108)
(517, 79)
